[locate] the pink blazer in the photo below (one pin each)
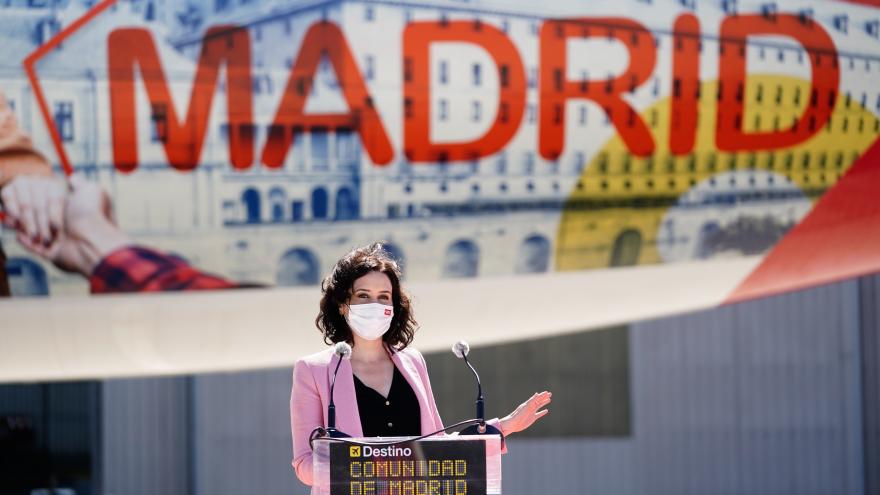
(310, 396)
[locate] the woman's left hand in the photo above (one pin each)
(527, 413)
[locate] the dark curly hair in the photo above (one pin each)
(336, 290)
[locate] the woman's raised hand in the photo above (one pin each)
(526, 414)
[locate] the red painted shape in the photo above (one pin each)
(30, 69)
(838, 239)
(417, 40)
(555, 89)
(325, 39)
(227, 46)
(729, 134)
(685, 84)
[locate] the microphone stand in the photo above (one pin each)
(482, 428)
(332, 432)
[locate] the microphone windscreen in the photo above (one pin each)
(342, 349)
(461, 349)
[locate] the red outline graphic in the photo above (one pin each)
(31, 61)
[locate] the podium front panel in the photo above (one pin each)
(443, 465)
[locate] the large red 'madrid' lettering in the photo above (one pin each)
(729, 134)
(183, 141)
(229, 46)
(556, 89)
(326, 39)
(417, 38)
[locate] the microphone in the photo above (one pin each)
(461, 350)
(343, 351)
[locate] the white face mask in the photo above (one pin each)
(369, 321)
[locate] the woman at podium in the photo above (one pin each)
(383, 389)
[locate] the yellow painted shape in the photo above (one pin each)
(622, 195)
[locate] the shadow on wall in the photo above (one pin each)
(588, 373)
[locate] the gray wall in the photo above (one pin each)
(209, 434)
(145, 436)
(750, 399)
(870, 295)
(774, 396)
(242, 433)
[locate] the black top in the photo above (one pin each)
(398, 415)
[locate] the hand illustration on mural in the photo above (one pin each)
(82, 224)
(34, 205)
(30, 207)
(90, 243)
(70, 223)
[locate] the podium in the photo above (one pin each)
(439, 465)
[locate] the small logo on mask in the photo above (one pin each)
(387, 311)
